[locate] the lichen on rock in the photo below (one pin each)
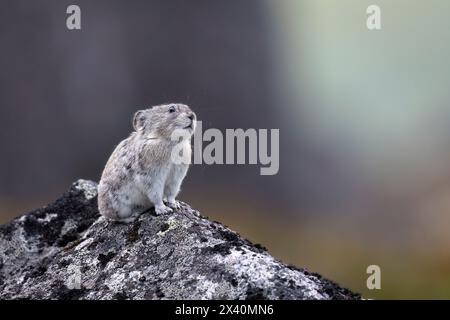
(66, 250)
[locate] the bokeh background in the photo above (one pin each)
(364, 119)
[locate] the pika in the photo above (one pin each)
(140, 172)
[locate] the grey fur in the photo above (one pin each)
(140, 172)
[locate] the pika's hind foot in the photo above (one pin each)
(163, 209)
(174, 204)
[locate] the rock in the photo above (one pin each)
(66, 250)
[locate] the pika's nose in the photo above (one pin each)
(191, 116)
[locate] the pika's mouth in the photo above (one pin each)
(190, 126)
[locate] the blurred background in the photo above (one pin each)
(364, 119)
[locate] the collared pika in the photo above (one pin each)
(141, 172)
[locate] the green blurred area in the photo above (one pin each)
(380, 101)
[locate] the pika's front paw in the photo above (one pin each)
(174, 204)
(162, 209)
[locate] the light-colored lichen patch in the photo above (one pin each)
(89, 188)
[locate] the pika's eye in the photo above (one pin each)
(172, 109)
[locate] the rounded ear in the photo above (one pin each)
(139, 120)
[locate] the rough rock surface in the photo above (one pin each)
(67, 251)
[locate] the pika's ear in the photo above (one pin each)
(139, 120)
